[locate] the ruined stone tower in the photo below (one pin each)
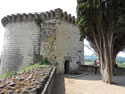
(52, 34)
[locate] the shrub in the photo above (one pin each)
(44, 61)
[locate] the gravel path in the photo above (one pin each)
(87, 84)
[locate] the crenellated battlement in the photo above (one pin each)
(52, 34)
(56, 14)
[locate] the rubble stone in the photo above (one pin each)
(26, 83)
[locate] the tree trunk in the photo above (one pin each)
(106, 64)
(106, 59)
(103, 45)
(106, 73)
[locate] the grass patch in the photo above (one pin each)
(43, 62)
(88, 63)
(6, 74)
(122, 65)
(29, 68)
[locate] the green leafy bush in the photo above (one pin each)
(44, 61)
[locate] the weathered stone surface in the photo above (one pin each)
(51, 34)
(19, 78)
(20, 46)
(12, 84)
(2, 85)
(10, 88)
(62, 42)
(26, 83)
(56, 14)
(10, 92)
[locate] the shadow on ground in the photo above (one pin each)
(61, 82)
(118, 80)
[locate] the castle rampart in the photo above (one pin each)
(53, 34)
(56, 14)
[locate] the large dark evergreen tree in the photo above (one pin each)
(102, 23)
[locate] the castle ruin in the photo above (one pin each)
(53, 34)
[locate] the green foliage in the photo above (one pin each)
(91, 13)
(89, 63)
(89, 58)
(6, 74)
(102, 22)
(44, 61)
(122, 65)
(29, 68)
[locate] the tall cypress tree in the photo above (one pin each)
(102, 23)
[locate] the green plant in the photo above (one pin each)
(44, 61)
(29, 68)
(6, 74)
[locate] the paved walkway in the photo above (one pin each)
(87, 84)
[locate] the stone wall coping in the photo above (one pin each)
(48, 88)
(43, 16)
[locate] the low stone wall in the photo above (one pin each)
(39, 80)
(90, 68)
(120, 71)
(48, 87)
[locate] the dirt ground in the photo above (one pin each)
(87, 84)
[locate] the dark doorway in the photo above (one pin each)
(66, 67)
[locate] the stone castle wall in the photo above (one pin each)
(48, 42)
(61, 42)
(20, 45)
(51, 34)
(68, 45)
